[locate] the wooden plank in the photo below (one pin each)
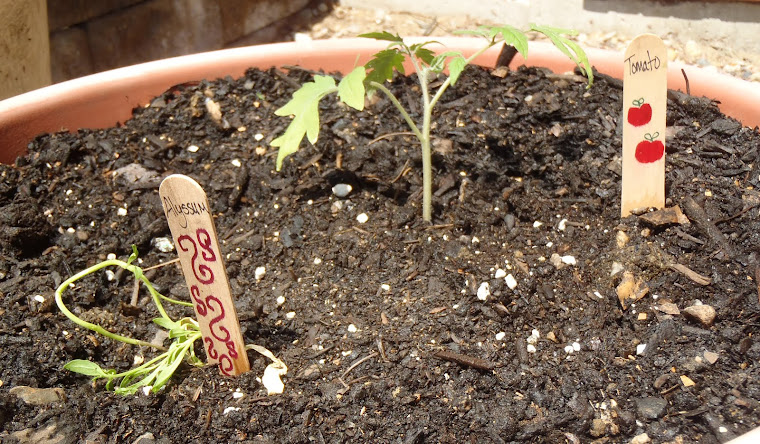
(644, 107)
(189, 215)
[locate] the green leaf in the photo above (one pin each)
(422, 53)
(437, 63)
(382, 65)
(456, 66)
(568, 47)
(304, 106)
(482, 31)
(165, 323)
(351, 88)
(133, 256)
(383, 35)
(514, 37)
(84, 367)
(166, 371)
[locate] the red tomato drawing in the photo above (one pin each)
(640, 113)
(650, 150)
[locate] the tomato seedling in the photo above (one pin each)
(304, 106)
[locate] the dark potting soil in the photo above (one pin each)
(498, 322)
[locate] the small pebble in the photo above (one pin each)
(711, 357)
(342, 190)
(641, 439)
(703, 314)
(686, 381)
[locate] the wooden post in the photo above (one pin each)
(189, 216)
(644, 106)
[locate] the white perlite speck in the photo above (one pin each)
(280, 300)
(121, 211)
(362, 218)
(259, 273)
(290, 315)
(484, 291)
(352, 328)
(531, 348)
(569, 260)
(500, 336)
(163, 244)
(193, 148)
(510, 281)
(230, 409)
(499, 273)
(562, 225)
(39, 298)
(640, 348)
(535, 335)
(237, 163)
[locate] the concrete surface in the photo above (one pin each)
(735, 24)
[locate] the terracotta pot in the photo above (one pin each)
(101, 100)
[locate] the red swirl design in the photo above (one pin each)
(202, 272)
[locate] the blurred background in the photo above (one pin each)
(49, 41)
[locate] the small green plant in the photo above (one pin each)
(156, 372)
(304, 106)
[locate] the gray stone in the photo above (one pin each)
(38, 396)
(651, 407)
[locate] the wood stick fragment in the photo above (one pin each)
(467, 361)
(691, 274)
(697, 214)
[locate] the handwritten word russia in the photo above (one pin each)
(642, 65)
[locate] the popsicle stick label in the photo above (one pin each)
(644, 107)
(189, 216)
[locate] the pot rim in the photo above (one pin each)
(104, 99)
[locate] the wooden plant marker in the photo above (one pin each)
(645, 84)
(188, 213)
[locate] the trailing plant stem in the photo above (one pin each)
(98, 329)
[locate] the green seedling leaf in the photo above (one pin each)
(304, 106)
(481, 31)
(384, 35)
(166, 373)
(456, 66)
(568, 47)
(351, 88)
(133, 256)
(382, 65)
(514, 37)
(87, 368)
(422, 53)
(165, 323)
(438, 62)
